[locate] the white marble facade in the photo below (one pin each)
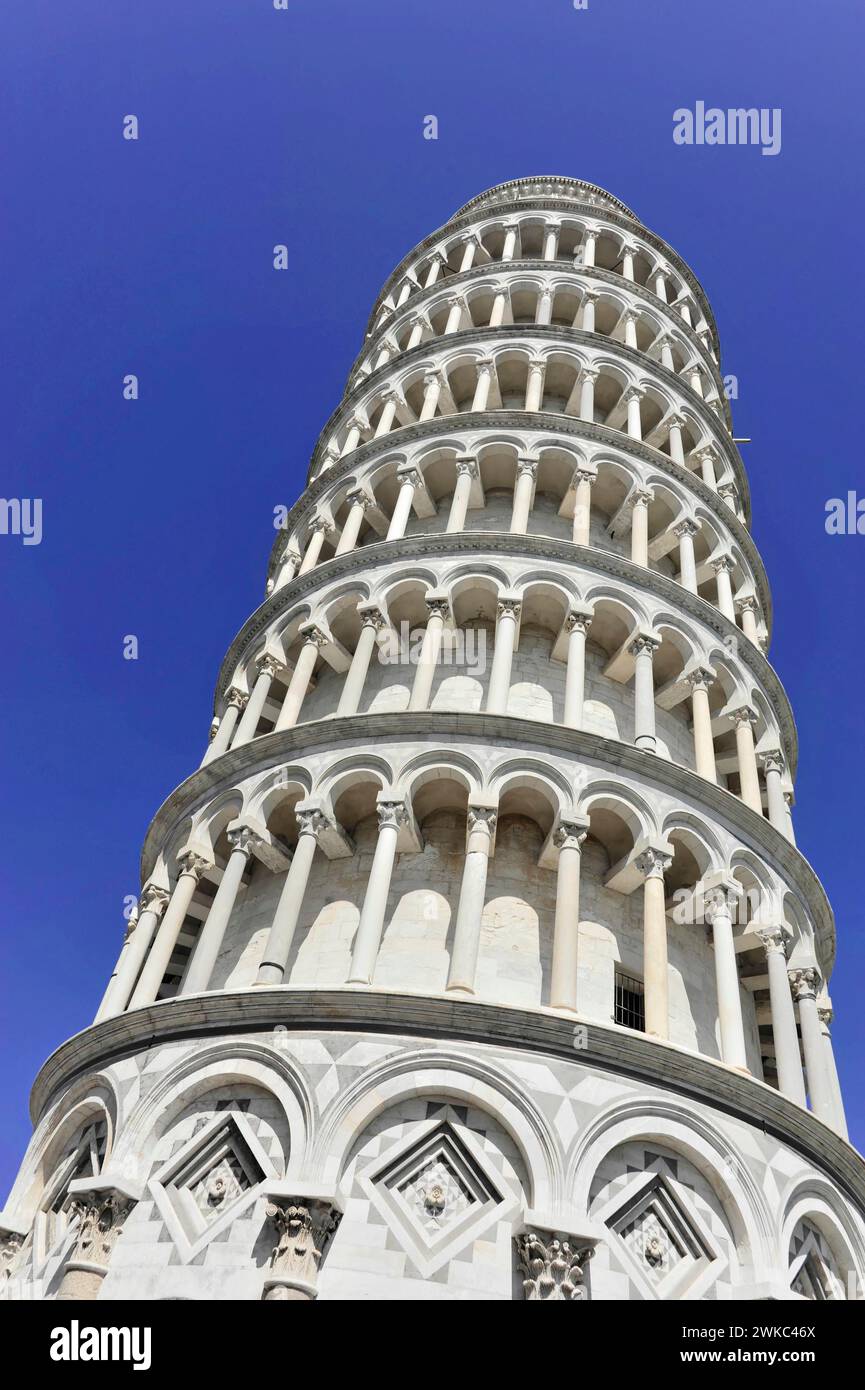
(477, 959)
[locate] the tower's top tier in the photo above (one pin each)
(548, 186)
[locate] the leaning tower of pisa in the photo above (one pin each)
(477, 959)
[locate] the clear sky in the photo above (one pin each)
(304, 126)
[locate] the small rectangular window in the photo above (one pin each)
(630, 1010)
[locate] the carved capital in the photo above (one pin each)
(304, 1229)
(311, 822)
(509, 608)
(570, 835)
(101, 1214)
(153, 899)
(653, 863)
(392, 815)
(551, 1268)
(188, 862)
(774, 941)
(644, 644)
(482, 818)
(243, 838)
(805, 983)
(701, 678)
(686, 528)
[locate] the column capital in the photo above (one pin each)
(644, 642)
(392, 815)
(571, 832)
(805, 983)
(235, 696)
(243, 838)
(433, 377)
(192, 864)
(687, 527)
(102, 1208)
(579, 619)
(321, 523)
(312, 821)
(456, 301)
(537, 364)
(467, 464)
(409, 473)
(526, 465)
(585, 473)
(590, 373)
(634, 393)
(723, 562)
(508, 607)
(313, 635)
(304, 1227)
(482, 818)
(486, 365)
(774, 940)
(825, 1013)
(744, 715)
(270, 665)
(153, 899)
(371, 616)
(438, 606)
(590, 297)
(640, 497)
(654, 862)
(701, 678)
(358, 497)
(747, 604)
(773, 760)
(551, 1268)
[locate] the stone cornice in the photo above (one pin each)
(498, 543)
(505, 268)
(624, 224)
(618, 1052)
(497, 191)
(551, 333)
(367, 730)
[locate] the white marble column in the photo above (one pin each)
(749, 777)
(577, 625)
(139, 935)
(839, 1122)
(357, 504)
(588, 378)
(420, 325)
(706, 459)
(436, 266)
(587, 311)
(677, 452)
(432, 390)
(639, 502)
(391, 816)
(628, 254)
(723, 567)
(409, 479)
(352, 438)
(524, 488)
(390, 401)
(544, 310)
(277, 950)
(508, 614)
(700, 681)
(630, 322)
(210, 938)
(289, 565)
(568, 838)
(666, 345)
(590, 241)
(438, 608)
(653, 864)
(467, 472)
(686, 531)
(481, 826)
(747, 608)
(643, 649)
(481, 398)
(584, 478)
(535, 384)
(235, 702)
(190, 868)
(313, 640)
(457, 308)
(551, 240)
(511, 231)
(784, 1036)
(805, 984)
(470, 246)
(269, 668)
(319, 529)
(500, 303)
(719, 916)
(773, 768)
(372, 620)
(632, 400)
(659, 275)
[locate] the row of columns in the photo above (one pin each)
(636, 509)
(659, 279)
(149, 950)
(642, 649)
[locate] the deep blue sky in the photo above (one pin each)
(260, 126)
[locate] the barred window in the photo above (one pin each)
(630, 1010)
